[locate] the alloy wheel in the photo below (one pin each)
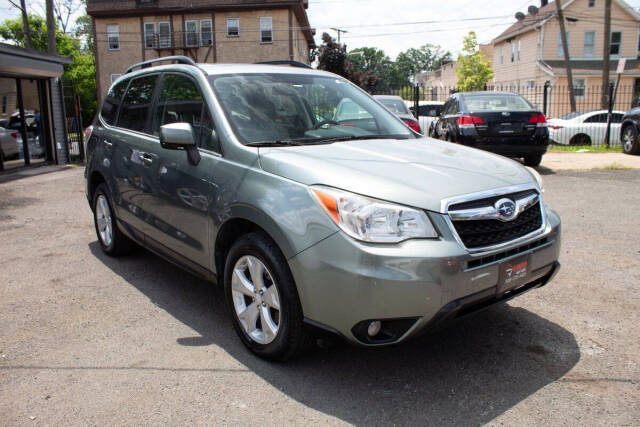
(103, 217)
(627, 139)
(255, 299)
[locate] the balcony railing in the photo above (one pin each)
(177, 40)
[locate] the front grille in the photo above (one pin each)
(480, 233)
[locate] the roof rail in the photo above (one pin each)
(178, 58)
(287, 62)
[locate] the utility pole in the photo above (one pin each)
(606, 52)
(565, 50)
(51, 29)
(25, 24)
(339, 31)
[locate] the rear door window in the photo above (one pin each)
(180, 101)
(597, 118)
(136, 104)
(109, 110)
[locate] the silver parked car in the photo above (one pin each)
(9, 143)
(312, 220)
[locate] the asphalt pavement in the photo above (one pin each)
(88, 339)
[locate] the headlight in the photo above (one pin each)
(537, 177)
(372, 220)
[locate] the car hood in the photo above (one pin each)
(416, 172)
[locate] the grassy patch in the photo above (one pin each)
(616, 166)
(584, 149)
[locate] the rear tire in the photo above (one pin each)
(533, 160)
(112, 240)
(580, 139)
(630, 143)
(271, 327)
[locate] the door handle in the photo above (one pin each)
(109, 144)
(147, 159)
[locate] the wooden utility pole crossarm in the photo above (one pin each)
(565, 50)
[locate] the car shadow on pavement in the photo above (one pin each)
(468, 373)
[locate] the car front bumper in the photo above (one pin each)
(344, 284)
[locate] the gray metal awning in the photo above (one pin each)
(28, 63)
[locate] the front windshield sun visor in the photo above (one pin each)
(281, 109)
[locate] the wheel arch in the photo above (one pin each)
(243, 220)
(578, 135)
(95, 179)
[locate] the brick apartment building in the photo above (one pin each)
(224, 31)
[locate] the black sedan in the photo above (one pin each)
(500, 122)
(629, 130)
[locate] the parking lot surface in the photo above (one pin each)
(88, 339)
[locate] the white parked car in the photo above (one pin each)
(428, 112)
(585, 128)
(9, 141)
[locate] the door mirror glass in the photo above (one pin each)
(175, 136)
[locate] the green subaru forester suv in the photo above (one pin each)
(315, 207)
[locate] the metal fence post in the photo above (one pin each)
(545, 97)
(416, 100)
(607, 136)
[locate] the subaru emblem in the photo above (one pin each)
(505, 209)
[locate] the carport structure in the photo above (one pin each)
(27, 66)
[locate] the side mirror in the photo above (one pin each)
(176, 136)
(180, 136)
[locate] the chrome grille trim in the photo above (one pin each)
(504, 191)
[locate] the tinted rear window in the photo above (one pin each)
(137, 103)
(430, 110)
(111, 103)
(496, 102)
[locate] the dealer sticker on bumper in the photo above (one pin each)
(513, 273)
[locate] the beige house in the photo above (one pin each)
(529, 53)
(225, 31)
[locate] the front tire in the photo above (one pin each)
(630, 143)
(533, 160)
(263, 299)
(112, 240)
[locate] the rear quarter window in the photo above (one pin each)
(109, 110)
(136, 104)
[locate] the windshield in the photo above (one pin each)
(394, 105)
(496, 102)
(301, 108)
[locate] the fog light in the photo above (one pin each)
(374, 328)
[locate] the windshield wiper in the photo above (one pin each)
(278, 143)
(352, 138)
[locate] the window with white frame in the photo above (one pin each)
(579, 87)
(206, 32)
(560, 49)
(149, 35)
(616, 41)
(114, 77)
(113, 37)
(266, 29)
(518, 50)
(233, 27)
(502, 54)
(513, 50)
(532, 84)
(164, 34)
(191, 33)
(589, 44)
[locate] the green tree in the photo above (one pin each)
(425, 58)
(474, 70)
(82, 70)
(375, 61)
(332, 56)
